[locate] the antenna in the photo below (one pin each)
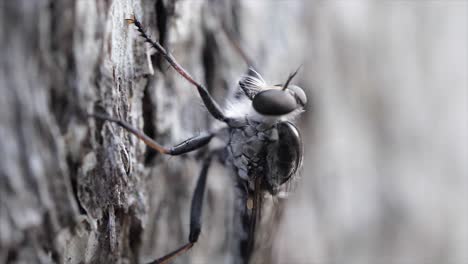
(291, 76)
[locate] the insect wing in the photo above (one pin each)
(284, 157)
(255, 215)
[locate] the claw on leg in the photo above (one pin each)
(130, 20)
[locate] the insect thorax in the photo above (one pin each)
(270, 152)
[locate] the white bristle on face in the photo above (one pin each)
(254, 81)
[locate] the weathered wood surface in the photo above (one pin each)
(385, 174)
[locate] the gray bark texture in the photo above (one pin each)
(385, 178)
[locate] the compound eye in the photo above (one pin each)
(274, 102)
(300, 94)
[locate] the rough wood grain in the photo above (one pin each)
(76, 190)
(385, 174)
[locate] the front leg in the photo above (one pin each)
(210, 103)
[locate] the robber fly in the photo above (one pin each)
(261, 144)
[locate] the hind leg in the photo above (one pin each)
(195, 216)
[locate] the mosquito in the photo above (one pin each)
(262, 145)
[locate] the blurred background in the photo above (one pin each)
(385, 176)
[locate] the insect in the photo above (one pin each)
(261, 144)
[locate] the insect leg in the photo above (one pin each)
(236, 45)
(195, 215)
(209, 102)
(186, 146)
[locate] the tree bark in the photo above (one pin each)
(78, 190)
